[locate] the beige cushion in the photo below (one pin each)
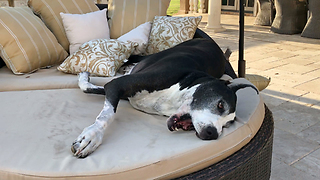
(100, 57)
(167, 32)
(81, 28)
(259, 81)
(137, 145)
(139, 35)
(126, 15)
(43, 79)
(26, 44)
(49, 11)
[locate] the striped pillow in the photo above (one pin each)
(26, 44)
(49, 11)
(126, 15)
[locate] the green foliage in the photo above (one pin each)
(173, 7)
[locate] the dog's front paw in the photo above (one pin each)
(87, 141)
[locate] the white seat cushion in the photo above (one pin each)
(39, 126)
(43, 79)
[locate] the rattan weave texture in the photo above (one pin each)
(253, 161)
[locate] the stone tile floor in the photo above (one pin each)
(293, 63)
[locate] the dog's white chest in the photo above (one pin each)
(164, 102)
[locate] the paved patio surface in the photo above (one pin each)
(293, 63)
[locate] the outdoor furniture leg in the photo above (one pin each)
(264, 16)
(312, 29)
(291, 16)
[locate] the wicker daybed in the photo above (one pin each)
(42, 113)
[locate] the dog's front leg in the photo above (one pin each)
(91, 137)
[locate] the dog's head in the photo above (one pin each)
(211, 108)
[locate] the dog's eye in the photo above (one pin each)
(220, 106)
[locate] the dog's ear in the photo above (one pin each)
(236, 87)
(227, 83)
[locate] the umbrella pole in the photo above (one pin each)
(241, 62)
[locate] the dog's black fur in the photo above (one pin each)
(189, 63)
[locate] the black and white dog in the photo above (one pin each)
(180, 82)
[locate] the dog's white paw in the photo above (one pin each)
(88, 141)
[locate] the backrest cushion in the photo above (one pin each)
(126, 15)
(49, 11)
(26, 44)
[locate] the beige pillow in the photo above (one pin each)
(100, 57)
(126, 15)
(139, 35)
(26, 44)
(167, 32)
(259, 81)
(49, 11)
(81, 28)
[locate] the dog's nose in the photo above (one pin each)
(209, 133)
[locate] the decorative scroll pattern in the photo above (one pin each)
(100, 57)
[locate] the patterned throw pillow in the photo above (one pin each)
(126, 15)
(26, 44)
(100, 57)
(49, 11)
(167, 32)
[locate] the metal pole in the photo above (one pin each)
(241, 63)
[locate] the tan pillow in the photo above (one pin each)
(167, 32)
(126, 15)
(49, 11)
(26, 44)
(259, 81)
(100, 57)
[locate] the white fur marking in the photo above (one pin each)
(205, 118)
(91, 137)
(106, 115)
(164, 102)
(83, 82)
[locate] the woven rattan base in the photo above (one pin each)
(253, 161)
